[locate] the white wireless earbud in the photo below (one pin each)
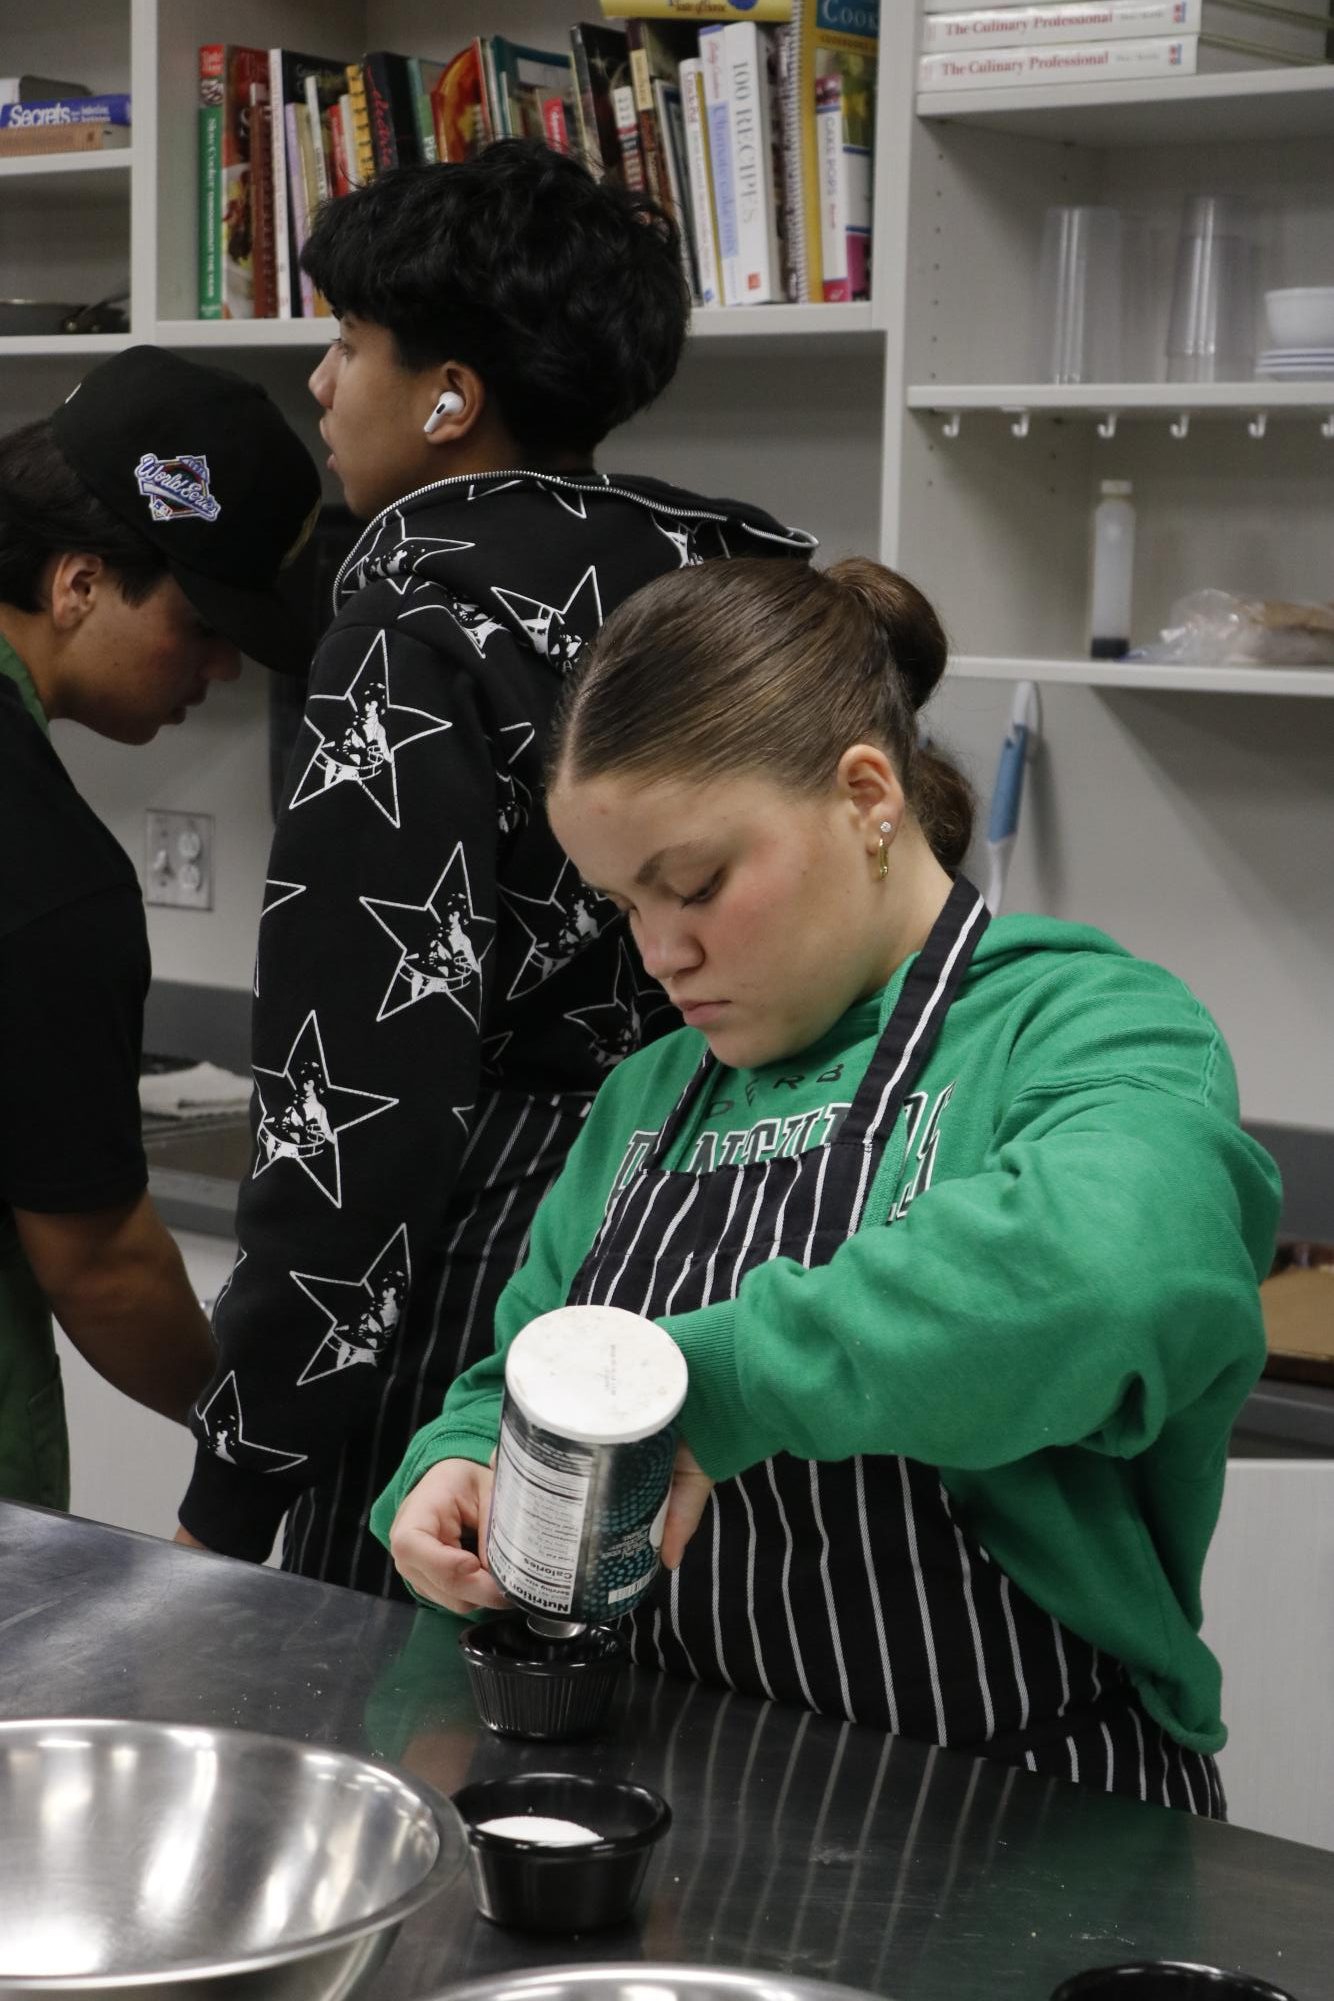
(449, 406)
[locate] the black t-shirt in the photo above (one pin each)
(74, 971)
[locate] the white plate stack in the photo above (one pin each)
(1301, 320)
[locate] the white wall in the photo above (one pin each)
(128, 1466)
(1193, 828)
(1269, 1616)
(217, 763)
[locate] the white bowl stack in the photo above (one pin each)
(1301, 324)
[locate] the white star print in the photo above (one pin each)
(367, 731)
(515, 797)
(571, 500)
(403, 552)
(558, 926)
(224, 1427)
(682, 540)
(478, 624)
(226, 1285)
(305, 1114)
(493, 1047)
(363, 1313)
(553, 630)
(272, 903)
(615, 1027)
(436, 940)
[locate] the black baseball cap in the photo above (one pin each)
(206, 468)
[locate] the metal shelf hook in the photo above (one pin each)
(1019, 423)
(950, 427)
(1327, 428)
(1106, 428)
(1258, 425)
(1180, 426)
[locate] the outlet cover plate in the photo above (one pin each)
(178, 859)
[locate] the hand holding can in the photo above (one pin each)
(585, 1463)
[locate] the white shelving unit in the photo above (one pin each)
(30, 347)
(61, 174)
(1126, 399)
(1145, 675)
(832, 327)
(1155, 802)
(1199, 831)
(1236, 108)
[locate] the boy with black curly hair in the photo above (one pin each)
(438, 995)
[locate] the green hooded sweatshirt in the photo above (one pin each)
(1053, 1296)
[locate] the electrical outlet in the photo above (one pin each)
(178, 859)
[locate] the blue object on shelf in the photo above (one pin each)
(1021, 741)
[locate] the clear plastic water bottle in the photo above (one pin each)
(1113, 571)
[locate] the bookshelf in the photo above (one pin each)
(33, 347)
(56, 176)
(1198, 830)
(834, 326)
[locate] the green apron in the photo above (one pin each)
(34, 1444)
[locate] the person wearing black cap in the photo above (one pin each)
(438, 993)
(143, 531)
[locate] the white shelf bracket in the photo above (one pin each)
(950, 427)
(1019, 422)
(1258, 425)
(1327, 428)
(1180, 426)
(1106, 427)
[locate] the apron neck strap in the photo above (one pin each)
(909, 1035)
(912, 1028)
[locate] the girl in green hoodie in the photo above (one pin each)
(952, 1218)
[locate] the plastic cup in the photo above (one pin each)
(1081, 295)
(1165, 1980)
(1211, 331)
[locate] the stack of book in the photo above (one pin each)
(40, 114)
(752, 123)
(1072, 41)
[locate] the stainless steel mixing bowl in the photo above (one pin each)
(194, 1864)
(640, 1980)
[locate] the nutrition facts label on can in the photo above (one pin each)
(537, 1520)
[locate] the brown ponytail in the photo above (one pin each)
(768, 665)
(917, 649)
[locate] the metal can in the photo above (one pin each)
(584, 1464)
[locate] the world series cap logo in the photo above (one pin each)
(176, 489)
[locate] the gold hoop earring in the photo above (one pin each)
(882, 853)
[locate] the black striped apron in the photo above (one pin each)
(850, 1586)
(515, 1151)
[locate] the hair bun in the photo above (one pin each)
(908, 624)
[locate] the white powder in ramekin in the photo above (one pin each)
(533, 1827)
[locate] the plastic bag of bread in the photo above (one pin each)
(1208, 628)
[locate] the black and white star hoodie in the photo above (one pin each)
(437, 994)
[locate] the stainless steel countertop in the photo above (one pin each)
(797, 1843)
